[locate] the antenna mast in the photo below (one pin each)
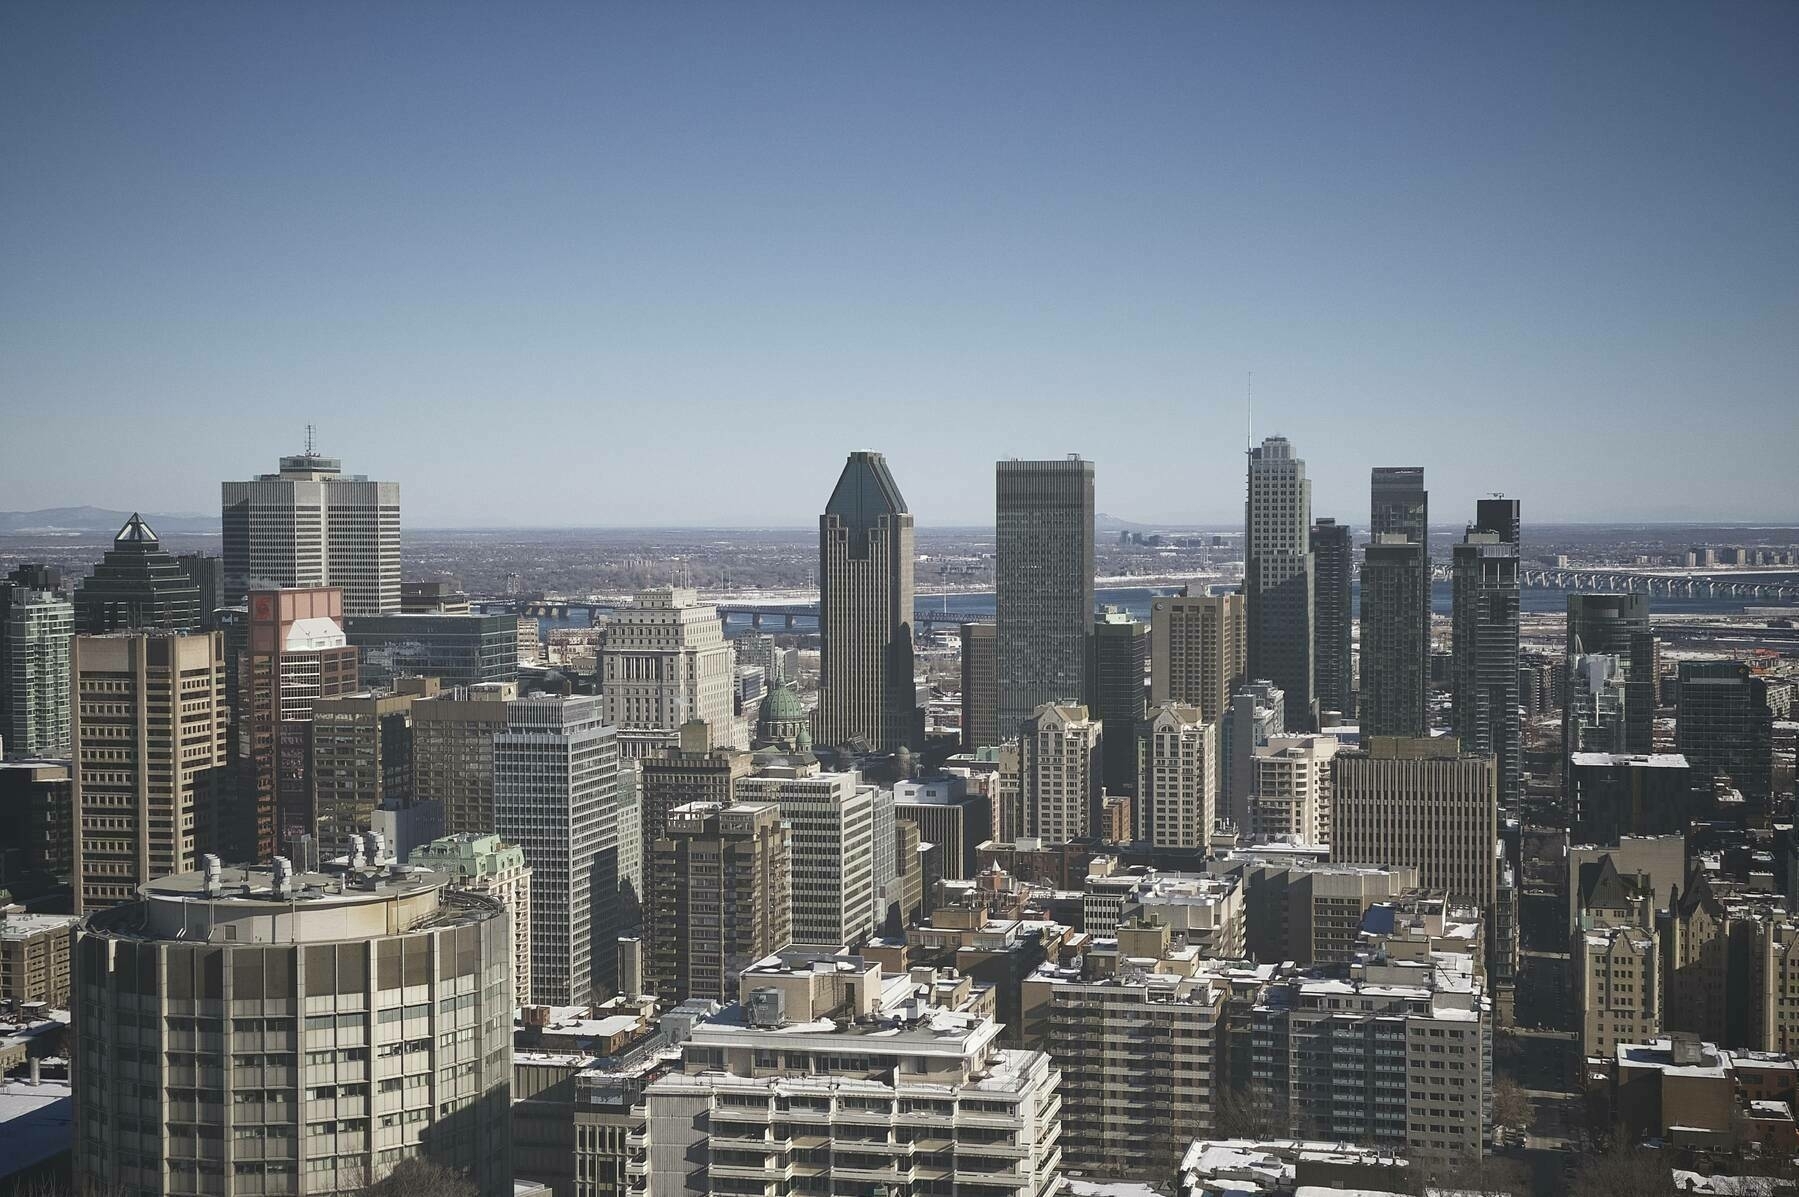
(309, 431)
(1248, 413)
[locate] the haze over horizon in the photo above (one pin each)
(621, 267)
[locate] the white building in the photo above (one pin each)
(832, 1078)
(312, 525)
(1178, 778)
(1279, 577)
(1059, 769)
(556, 772)
(832, 816)
(1292, 800)
(666, 661)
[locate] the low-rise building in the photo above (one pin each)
(34, 957)
(829, 1076)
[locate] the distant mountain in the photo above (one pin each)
(1111, 523)
(97, 519)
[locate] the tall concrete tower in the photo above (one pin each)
(865, 613)
(1278, 577)
(1043, 580)
(311, 525)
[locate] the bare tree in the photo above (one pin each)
(422, 1178)
(1627, 1172)
(1511, 1107)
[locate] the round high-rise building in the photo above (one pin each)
(258, 1031)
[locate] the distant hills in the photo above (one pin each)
(97, 519)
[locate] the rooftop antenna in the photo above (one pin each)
(309, 431)
(1248, 413)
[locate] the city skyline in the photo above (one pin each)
(788, 223)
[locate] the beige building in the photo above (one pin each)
(692, 771)
(1619, 973)
(666, 661)
(34, 957)
(1426, 803)
(149, 719)
(1196, 651)
(1304, 909)
(1292, 796)
(1059, 768)
(381, 1031)
(1141, 1053)
(452, 753)
(1177, 778)
(720, 898)
(487, 864)
(832, 826)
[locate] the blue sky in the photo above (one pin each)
(665, 264)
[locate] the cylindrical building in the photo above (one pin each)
(258, 1031)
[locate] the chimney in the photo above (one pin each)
(36, 1075)
(284, 877)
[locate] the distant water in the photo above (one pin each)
(1136, 600)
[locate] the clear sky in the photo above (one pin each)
(666, 263)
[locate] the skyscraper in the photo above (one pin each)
(1060, 770)
(1399, 507)
(556, 796)
(1278, 577)
(831, 816)
(1115, 694)
(1725, 727)
(1395, 666)
(452, 753)
(35, 626)
(1177, 795)
(1333, 618)
(1485, 646)
(1043, 580)
(865, 691)
(666, 661)
(1196, 647)
(296, 655)
(1399, 503)
(207, 573)
(1425, 803)
(1618, 625)
(136, 585)
(720, 899)
(311, 525)
(149, 725)
(362, 752)
(980, 688)
(692, 771)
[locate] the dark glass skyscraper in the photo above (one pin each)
(1043, 583)
(1398, 505)
(1333, 616)
(1115, 694)
(1278, 577)
(1485, 645)
(1725, 728)
(866, 692)
(1618, 625)
(136, 585)
(1395, 672)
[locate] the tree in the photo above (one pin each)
(1627, 1172)
(422, 1178)
(1510, 1105)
